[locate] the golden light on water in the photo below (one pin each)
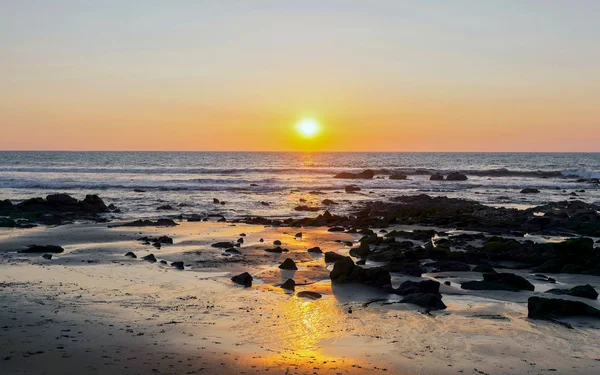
(308, 127)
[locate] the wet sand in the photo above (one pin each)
(93, 310)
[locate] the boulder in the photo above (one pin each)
(289, 284)
(288, 264)
(581, 291)
(499, 281)
(328, 202)
(277, 243)
(352, 188)
(63, 200)
(93, 203)
(277, 250)
(405, 268)
(436, 177)
(131, 254)
(165, 207)
(336, 229)
(366, 174)
(43, 249)
(428, 300)
(306, 208)
(223, 245)
(455, 176)
(530, 191)
(298, 235)
(551, 308)
(178, 265)
(398, 177)
(345, 271)
(315, 249)
(331, 257)
(150, 258)
(244, 279)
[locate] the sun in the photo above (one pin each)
(308, 127)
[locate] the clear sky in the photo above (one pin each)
(238, 75)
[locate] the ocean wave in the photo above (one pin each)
(581, 173)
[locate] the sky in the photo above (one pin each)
(239, 75)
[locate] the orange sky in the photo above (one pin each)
(399, 76)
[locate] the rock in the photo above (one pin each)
(448, 266)
(277, 243)
(131, 254)
(366, 174)
(484, 268)
(336, 229)
(398, 177)
(216, 201)
(277, 250)
(436, 177)
(447, 283)
(499, 281)
(427, 300)
(93, 203)
(328, 202)
(331, 257)
(47, 256)
(306, 208)
(309, 295)
(405, 268)
(242, 234)
(352, 188)
(156, 245)
(265, 203)
(298, 235)
(178, 265)
(288, 264)
(61, 200)
(43, 249)
(411, 287)
(139, 190)
(581, 291)
(223, 245)
(163, 262)
(150, 258)
(315, 249)
(551, 308)
(147, 223)
(244, 279)
(362, 251)
(529, 191)
(165, 207)
(345, 271)
(240, 240)
(163, 240)
(289, 284)
(455, 176)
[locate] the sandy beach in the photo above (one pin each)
(93, 310)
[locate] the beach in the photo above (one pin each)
(93, 310)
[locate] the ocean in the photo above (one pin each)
(139, 182)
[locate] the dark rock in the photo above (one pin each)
(277, 250)
(244, 279)
(307, 208)
(455, 176)
(427, 300)
(216, 201)
(165, 207)
(163, 240)
(289, 284)
(62, 200)
(328, 202)
(240, 240)
(150, 258)
(93, 203)
(551, 308)
(530, 191)
(352, 188)
(366, 174)
(223, 245)
(147, 223)
(315, 249)
(265, 203)
(139, 190)
(43, 249)
(417, 234)
(499, 281)
(436, 177)
(336, 229)
(411, 287)
(484, 268)
(47, 256)
(581, 291)
(131, 254)
(298, 235)
(447, 283)
(288, 264)
(277, 243)
(398, 177)
(362, 251)
(331, 257)
(405, 267)
(178, 265)
(345, 271)
(308, 294)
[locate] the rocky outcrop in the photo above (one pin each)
(552, 308)
(345, 271)
(366, 174)
(581, 291)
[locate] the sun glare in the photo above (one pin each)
(308, 127)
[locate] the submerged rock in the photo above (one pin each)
(328, 202)
(436, 177)
(42, 249)
(366, 174)
(244, 279)
(352, 188)
(223, 245)
(288, 264)
(582, 291)
(398, 177)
